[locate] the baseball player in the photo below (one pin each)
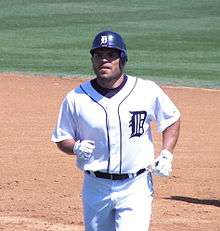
(106, 123)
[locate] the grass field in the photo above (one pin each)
(174, 42)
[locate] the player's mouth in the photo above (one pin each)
(103, 71)
(105, 66)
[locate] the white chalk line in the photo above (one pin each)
(32, 224)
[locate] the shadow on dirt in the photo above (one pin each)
(195, 200)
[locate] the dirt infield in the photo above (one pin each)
(40, 187)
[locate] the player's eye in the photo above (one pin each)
(97, 55)
(113, 55)
(106, 55)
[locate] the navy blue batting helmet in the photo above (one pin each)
(110, 39)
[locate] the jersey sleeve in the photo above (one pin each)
(166, 113)
(66, 123)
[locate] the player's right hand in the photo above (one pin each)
(84, 149)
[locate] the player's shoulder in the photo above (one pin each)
(144, 83)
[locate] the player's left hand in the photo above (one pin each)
(163, 163)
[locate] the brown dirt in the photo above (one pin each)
(40, 187)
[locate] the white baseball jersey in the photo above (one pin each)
(120, 125)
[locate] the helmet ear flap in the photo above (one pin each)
(92, 52)
(123, 60)
(123, 57)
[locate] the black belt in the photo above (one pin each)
(114, 176)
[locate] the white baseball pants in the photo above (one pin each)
(117, 205)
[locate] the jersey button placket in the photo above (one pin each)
(114, 138)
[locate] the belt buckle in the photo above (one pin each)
(111, 177)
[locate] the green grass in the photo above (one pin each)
(175, 41)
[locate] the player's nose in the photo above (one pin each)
(105, 58)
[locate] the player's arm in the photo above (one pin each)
(163, 163)
(168, 119)
(170, 136)
(66, 127)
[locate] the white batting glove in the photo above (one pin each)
(163, 163)
(84, 149)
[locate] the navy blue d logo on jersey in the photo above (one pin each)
(137, 123)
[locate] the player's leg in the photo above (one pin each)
(97, 207)
(135, 205)
(136, 215)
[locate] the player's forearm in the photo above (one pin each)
(66, 146)
(170, 136)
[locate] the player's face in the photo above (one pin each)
(106, 64)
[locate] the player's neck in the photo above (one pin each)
(110, 83)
